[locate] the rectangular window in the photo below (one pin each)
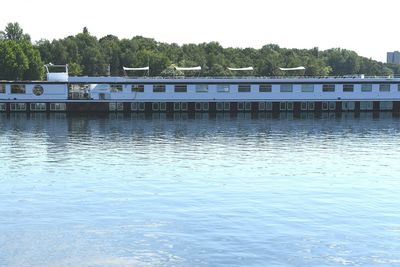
(348, 105)
(386, 105)
(197, 106)
(180, 88)
(116, 88)
(328, 88)
(265, 88)
(163, 106)
(201, 106)
(268, 106)
(366, 88)
(3, 107)
(155, 106)
(137, 106)
(220, 106)
(307, 88)
(384, 88)
(2, 88)
(244, 88)
(138, 88)
(227, 106)
(184, 106)
(18, 89)
(286, 106)
(348, 87)
(366, 105)
(223, 88)
(116, 106)
(286, 88)
(17, 106)
(58, 106)
(38, 106)
(261, 106)
(159, 88)
(307, 106)
(201, 88)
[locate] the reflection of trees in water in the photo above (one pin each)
(61, 130)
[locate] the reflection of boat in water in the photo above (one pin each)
(61, 92)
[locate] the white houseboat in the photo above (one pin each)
(64, 93)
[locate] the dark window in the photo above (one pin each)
(366, 88)
(159, 88)
(265, 88)
(138, 88)
(328, 88)
(384, 88)
(244, 88)
(348, 87)
(18, 89)
(2, 88)
(180, 88)
(116, 87)
(286, 88)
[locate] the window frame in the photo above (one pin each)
(159, 88)
(286, 88)
(347, 87)
(21, 89)
(244, 88)
(265, 88)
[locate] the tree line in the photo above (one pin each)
(85, 54)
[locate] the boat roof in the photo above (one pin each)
(215, 80)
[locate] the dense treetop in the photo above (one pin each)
(87, 55)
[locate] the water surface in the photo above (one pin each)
(242, 191)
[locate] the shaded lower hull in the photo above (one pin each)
(203, 107)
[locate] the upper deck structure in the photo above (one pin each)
(61, 92)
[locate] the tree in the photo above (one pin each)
(14, 62)
(35, 69)
(14, 32)
(87, 55)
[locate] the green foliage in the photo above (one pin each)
(14, 32)
(171, 71)
(87, 55)
(20, 61)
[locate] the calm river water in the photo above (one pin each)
(132, 191)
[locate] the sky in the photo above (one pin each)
(368, 27)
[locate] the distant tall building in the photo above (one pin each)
(393, 57)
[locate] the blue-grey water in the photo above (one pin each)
(132, 191)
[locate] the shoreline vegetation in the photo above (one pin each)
(20, 59)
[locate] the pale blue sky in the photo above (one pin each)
(368, 27)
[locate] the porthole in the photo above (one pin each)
(38, 90)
